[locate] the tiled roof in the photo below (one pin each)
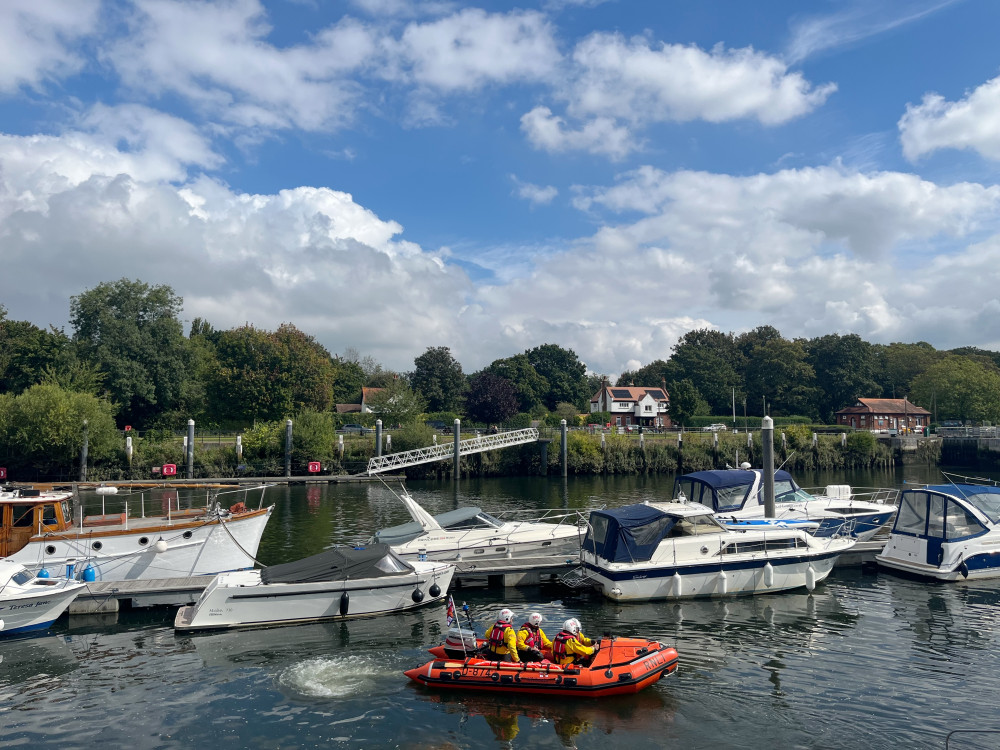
(632, 393)
(884, 406)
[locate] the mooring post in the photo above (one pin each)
(190, 449)
(340, 446)
(767, 443)
(565, 462)
(458, 450)
(83, 452)
(288, 447)
(378, 438)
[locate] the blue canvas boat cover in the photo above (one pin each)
(722, 489)
(627, 534)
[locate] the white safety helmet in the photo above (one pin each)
(534, 619)
(505, 614)
(572, 625)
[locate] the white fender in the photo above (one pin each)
(723, 581)
(675, 584)
(810, 578)
(768, 575)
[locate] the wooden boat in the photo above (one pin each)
(620, 666)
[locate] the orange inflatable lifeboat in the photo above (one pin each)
(620, 666)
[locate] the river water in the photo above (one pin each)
(868, 660)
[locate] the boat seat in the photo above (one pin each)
(112, 519)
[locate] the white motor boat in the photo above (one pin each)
(948, 532)
(38, 532)
(737, 498)
(30, 603)
(680, 550)
(470, 533)
(335, 584)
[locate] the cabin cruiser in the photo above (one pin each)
(737, 498)
(29, 602)
(38, 531)
(677, 550)
(335, 584)
(948, 532)
(473, 533)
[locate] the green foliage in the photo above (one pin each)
(860, 448)
(711, 362)
(518, 421)
(846, 369)
(42, 429)
(960, 388)
(564, 372)
(799, 437)
(599, 417)
(491, 398)
(313, 436)
(438, 378)
(685, 402)
(396, 404)
(264, 438)
(531, 387)
(29, 353)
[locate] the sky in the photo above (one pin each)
(605, 175)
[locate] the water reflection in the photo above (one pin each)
(29, 659)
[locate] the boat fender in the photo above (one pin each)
(434, 590)
(43, 573)
(89, 574)
(723, 582)
(161, 546)
(417, 596)
(964, 569)
(345, 603)
(769, 575)
(810, 578)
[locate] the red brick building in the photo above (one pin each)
(885, 415)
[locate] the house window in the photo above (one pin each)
(648, 408)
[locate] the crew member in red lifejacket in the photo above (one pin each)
(501, 639)
(531, 639)
(570, 645)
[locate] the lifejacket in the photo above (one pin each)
(559, 644)
(498, 635)
(534, 639)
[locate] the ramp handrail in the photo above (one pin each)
(443, 451)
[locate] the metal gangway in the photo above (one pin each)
(444, 451)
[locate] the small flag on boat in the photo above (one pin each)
(452, 619)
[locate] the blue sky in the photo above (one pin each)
(604, 175)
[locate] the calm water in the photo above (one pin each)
(867, 661)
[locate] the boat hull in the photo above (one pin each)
(190, 547)
(977, 566)
(741, 577)
(489, 547)
(241, 600)
(621, 667)
(36, 610)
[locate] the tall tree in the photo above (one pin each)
(899, 364)
(565, 374)
(711, 361)
(650, 376)
(27, 352)
(397, 404)
(530, 386)
(437, 376)
(846, 369)
(777, 370)
(491, 399)
(959, 388)
(685, 402)
(131, 331)
(348, 380)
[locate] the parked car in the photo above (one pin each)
(358, 428)
(717, 427)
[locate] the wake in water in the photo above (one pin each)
(338, 677)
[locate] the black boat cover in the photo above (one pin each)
(339, 564)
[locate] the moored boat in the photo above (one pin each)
(620, 666)
(28, 602)
(473, 533)
(338, 583)
(680, 550)
(737, 498)
(39, 532)
(947, 532)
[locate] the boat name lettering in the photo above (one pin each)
(653, 661)
(27, 606)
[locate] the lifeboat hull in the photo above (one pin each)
(621, 666)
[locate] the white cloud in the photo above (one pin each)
(600, 135)
(534, 194)
(970, 123)
(472, 48)
(217, 56)
(36, 39)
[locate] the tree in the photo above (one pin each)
(711, 361)
(491, 399)
(845, 369)
(348, 380)
(131, 331)
(396, 403)
(899, 364)
(564, 372)
(530, 386)
(959, 388)
(309, 366)
(438, 378)
(685, 402)
(777, 370)
(652, 375)
(27, 352)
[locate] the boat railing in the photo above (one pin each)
(878, 495)
(558, 515)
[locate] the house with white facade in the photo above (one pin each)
(633, 406)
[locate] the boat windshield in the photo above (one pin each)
(695, 526)
(392, 564)
(987, 503)
(479, 521)
(786, 492)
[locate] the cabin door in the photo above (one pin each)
(16, 528)
(935, 530)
